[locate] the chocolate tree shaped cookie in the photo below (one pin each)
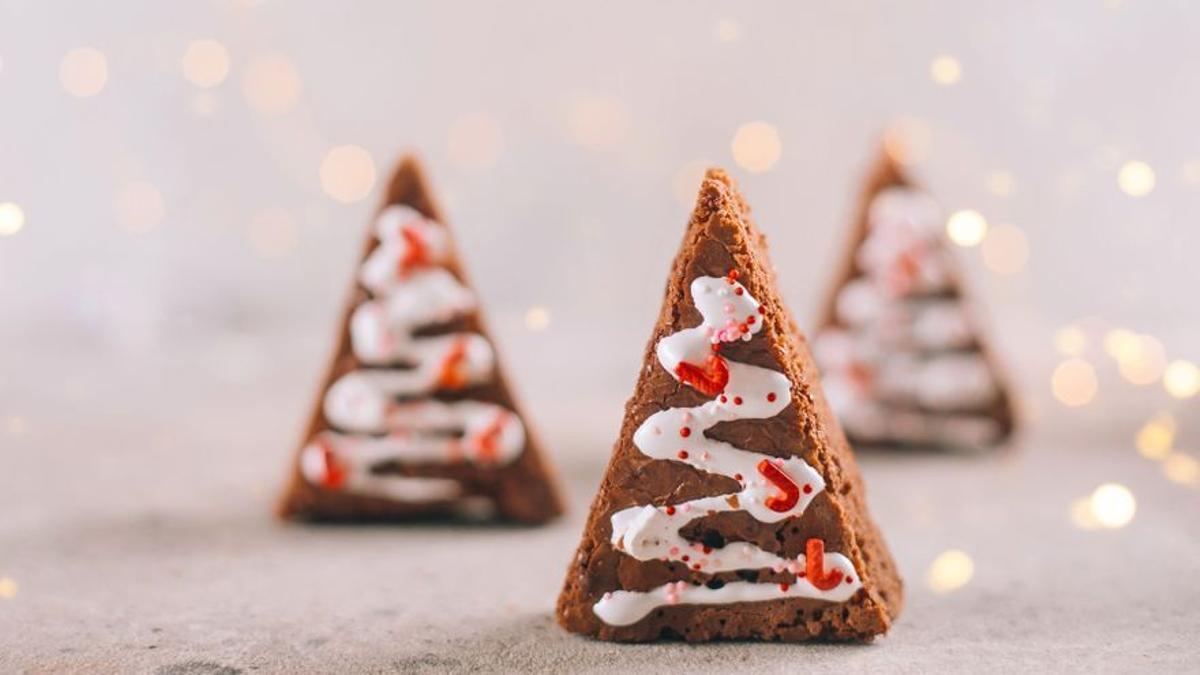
(732, 506)
(415, 417)
(902, 360)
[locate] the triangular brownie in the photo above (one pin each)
(414, 417)
(732, 506)
(903, 361)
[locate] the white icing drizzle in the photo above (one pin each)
(677, 434)
(904, 367)
(378, 414)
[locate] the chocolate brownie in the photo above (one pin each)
(415, 417)
(732, 507)
(903, 358)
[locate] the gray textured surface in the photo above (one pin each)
(151, 550)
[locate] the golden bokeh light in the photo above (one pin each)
(686, 182)
(756, 146)
(272, 233)
(8, 588)
(1005, 249)
(1136, 178)
(1070, 341)
(347, 173)
(1120, 342)
(83, 72)
(475, 142)
(271, 85)
(950, 571)
(597, 122)
(1182, 468)
(1113, 505)
(945, 70)
(1000, 183)
(1074, 382)
(1156, 436)
(966, 227)
(1143, 360)
(12, 219)
(908, 140)
(728, 30)
(537, 318)
(1181, 378)
(16, 426)
(205, 63)
(139, 206)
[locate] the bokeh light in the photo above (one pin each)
(271, 85)
(205, 63)
(966, 227)
(475, 142)
(1155, 438)
(1074, 382)
(728, 30)
(1070, 341)
(1000, 183)
(1005, 249)
(1136, 178)
(756, 146)
(597, 122)
(8, 588)
(1113, 505)
(347, 173)
(1181, 378)
(945, 70)
(950, 571)
(83, 72)
(139, 206)
(537, 318)
(12, 219)
(1082, 516)
(1182, 468)
(272, 233)
(1143, 361)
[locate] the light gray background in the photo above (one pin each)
(152, 385)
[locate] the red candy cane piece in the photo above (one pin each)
(334, 476)
(790, 491)
(487, 444)
(814, 567)
(453, 371)
(709, 379)
(415, 254)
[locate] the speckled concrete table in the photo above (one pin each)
(138, 539)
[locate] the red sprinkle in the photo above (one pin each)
(708, 549)
(762, 310)
(696, 567)
(807, 489)
(723, 399)
(771, 396)
(739, 290)
(670, 510)
(751, 319)
(784, 586)
(737, 477)
(737, 400)
(849, 580)
(685, 432)
(683, 454)
(685, 558)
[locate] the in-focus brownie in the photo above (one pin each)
(415, 418)
(732, 507)
(903, 359)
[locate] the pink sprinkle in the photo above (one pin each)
(705, 456)
(657, 431)
(674, 550)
